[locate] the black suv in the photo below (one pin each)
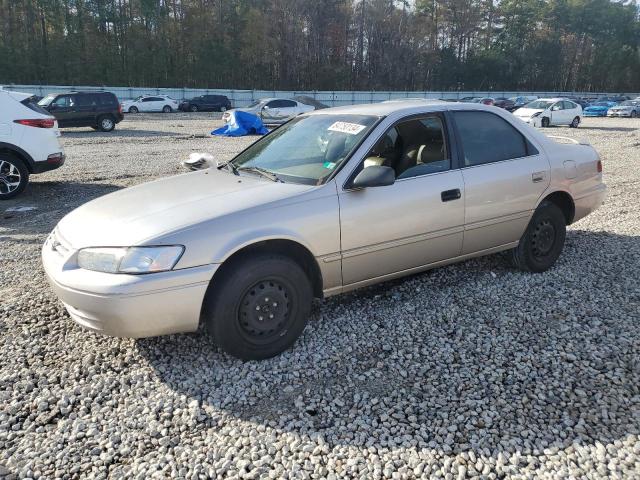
(98, 110)
(206, 103)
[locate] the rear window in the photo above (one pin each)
(108, 99)
(32, 104)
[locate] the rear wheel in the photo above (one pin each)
(260, 307)
(14, 176)
(166, 109)
(106, 123)
(545, 122)
(193, 108)
(543, 241)
(133, 109)
(575, 122)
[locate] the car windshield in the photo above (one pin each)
(629, 103)
(46, 100)
(307, 149)
(601, 104)
(539, 104)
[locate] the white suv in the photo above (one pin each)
(28, 142)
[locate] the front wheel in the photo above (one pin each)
(575, 122)
(133, 110)
(14, 176)
(260, 307)
(166, 109)
(634, 114)
(545, 122)
(193, 108)
(543, 241)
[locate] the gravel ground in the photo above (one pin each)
(473, 370)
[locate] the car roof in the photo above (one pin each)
(400, 107)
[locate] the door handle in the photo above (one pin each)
(449, 195)
(537, 177)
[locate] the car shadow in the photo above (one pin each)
(117, 133)
(609, 129)
(504, 384)
(48, 210)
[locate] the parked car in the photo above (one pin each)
(545, 112)
(28, 142)
(150, 103)
(505, 103)
(206, 103)
(98, 110)
(273, 110)
(628, 108)
(522, 100)
(482, 100)
(333, 200)
(598, 109)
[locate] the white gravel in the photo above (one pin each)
(470, 371)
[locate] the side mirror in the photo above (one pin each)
(375, 176)
(266, 107)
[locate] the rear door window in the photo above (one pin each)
(487, 138)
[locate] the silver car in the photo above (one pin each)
(273, 111)
(331, 201)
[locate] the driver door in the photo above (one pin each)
(414, 222)
(558, 114)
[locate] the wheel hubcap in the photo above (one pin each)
(543, 239)
(106, 124)
(9, 177)
(264, 311)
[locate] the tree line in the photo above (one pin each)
(566, 45)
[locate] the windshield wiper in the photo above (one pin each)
(229, 166)
(265, 173)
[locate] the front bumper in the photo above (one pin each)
(619, 114)
(119, 305)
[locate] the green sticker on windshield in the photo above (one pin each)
(329, 165)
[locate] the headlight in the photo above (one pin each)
(130, 260)
(536, 114)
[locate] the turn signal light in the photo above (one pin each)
(37, 122)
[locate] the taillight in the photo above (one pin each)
(37, 122)
(599, 166)
(119, 108)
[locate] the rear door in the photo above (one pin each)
(504, 176)
(86, 109)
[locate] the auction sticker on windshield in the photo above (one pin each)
(346, 127)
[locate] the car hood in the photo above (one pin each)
(140, 214)
(596, 109)
(527, 112)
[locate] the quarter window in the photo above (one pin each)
(487, 138)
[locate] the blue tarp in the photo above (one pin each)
(241, 123)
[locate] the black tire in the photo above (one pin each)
(106, 123)
(12, 171)
(575, 123)
(167, 109)
(633, 114)
(193, 108)
(259, 307)
(545, 122)
(133, 109)
(223, 109)
(543, 241)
